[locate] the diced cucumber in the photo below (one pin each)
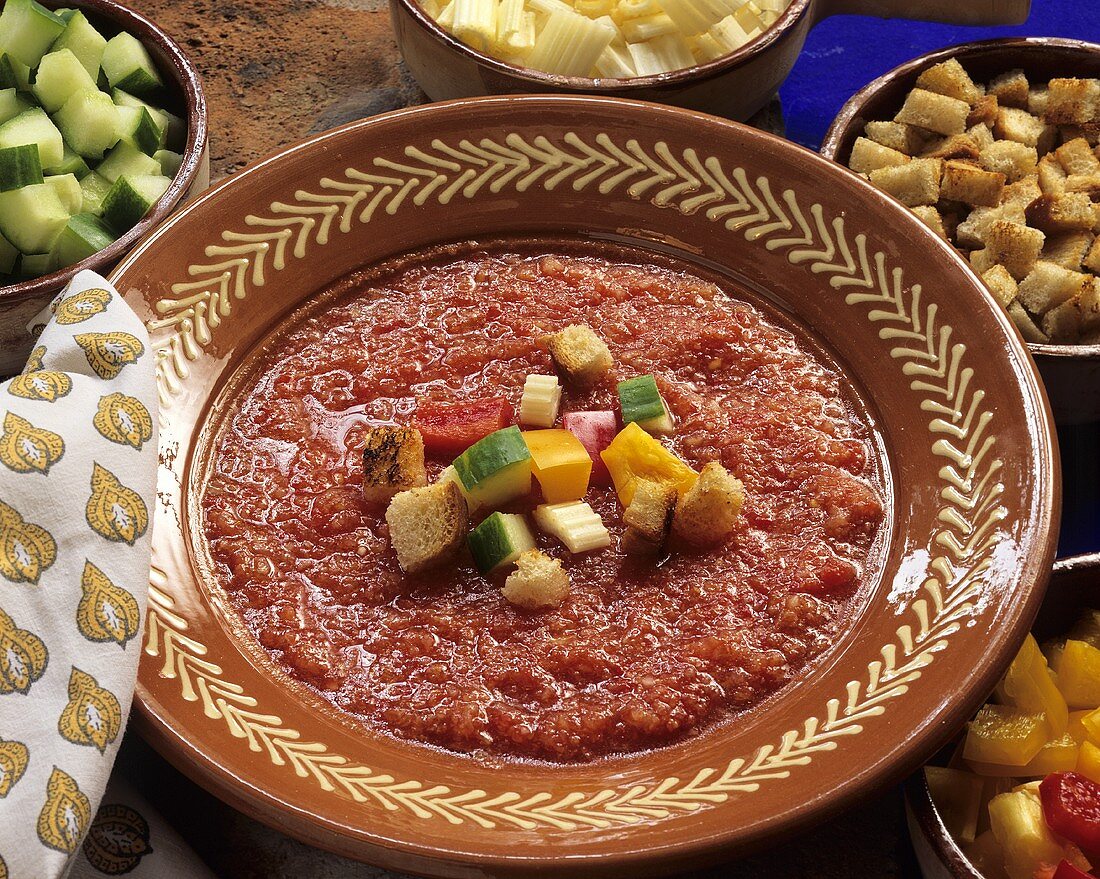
(83, 40)
(89, 122)
(34, 126)
(65, 14)
(8, 256)
(496, 469)
(94, 189)
(35, 265)
(71, 163)
(59, 76)
(499, 541)
(83, 236)
(641, 401)
(176, 128)
(11, 105)
(129, 67)
(19, 166)
(138, 128)
(170, 162)
(31, 218)
(27, 30)
(131, 198)
(126, 159)
(7, 73)
(68, 191)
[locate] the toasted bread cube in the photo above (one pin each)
(1027, 327)
(949, 78)
(1069, 212)
(868, 156)
(1073, 101)
(1089, 301)
(932, 218)
(708, 511)
(917, 183)
(1015, 160)
(537, 583)
(1092, 258)
(393, 460)
(1077, 157)
(648, 517)
(1089, 184)
(966, 183)
(1052, 176)
(957, 146)
(897, 136)
(1022, 192)
(1048, 285)
(1011, 89)
(1019, 125)
(982, 260)
(982, 135)
(983, 112)
(1037, 99)
(1068, 249)
(1063, 322)
(1015, 247)
(579, 353)
(938, 113)
(1001, 284)
(972, 231)
(427, 525)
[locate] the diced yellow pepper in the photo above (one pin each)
(634, 455)
(958, 797)
(560, 463)
(1058, 755)
(1005, 736)
(1088, 761)
(1077, 727)
(1017, 822)
(1028, 685)
(1087, 628)
(987, 856)
(1078, 671)
(1091, 722)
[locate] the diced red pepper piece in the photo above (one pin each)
(595, 430)
(1066, 870)
(451, 428)
(1071, 806)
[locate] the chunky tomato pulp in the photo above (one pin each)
(643, 652)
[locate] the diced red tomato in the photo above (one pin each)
(595, 430)
(451, 428)
(1066, 870)
(1071, 806)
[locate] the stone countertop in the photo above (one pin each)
(275, 73)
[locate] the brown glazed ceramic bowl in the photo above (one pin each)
(1071, 372)
(735, 86)
(20, 302)
(1074, 586)
(970, 466)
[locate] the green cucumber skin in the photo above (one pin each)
(640, 400)
(70, 164)
(127, 203)
(19, 167)
(490, 455)
(494, 542)
(126, 159)
(128, 66)
(27, 30)
(8, 79)
(34, 126)
(83, 236)
(35, 265)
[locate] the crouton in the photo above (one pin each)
(897, 136)
(957, 146)
(1026, 325)
(1089, 300)
(868, 156)
(1001, 284)
(934, 112)
(1048, 285)
(932, 218)
(981, 134)
(917, 183)
(1068, 249)
(984, 112)
(1022, 193)
(1089, 184)
(1052, 176)
(972, 231)
(966, 183)
(393, 460)
(1019, 125)
(1037, 100)
(648, 516)
(1068, 212)
(537, 583)
(1014, 246)
(1073, 101)
(427, 525)
(982, 260)
(949, 78)
(708, 511)
(580, 354)
(1092, 258)
(1011, 89)
(1062, 324)
(1077, 157)
(1015, 160)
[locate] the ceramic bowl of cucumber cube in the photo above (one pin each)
(102, 134)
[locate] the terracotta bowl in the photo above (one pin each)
(735, 86)
(1074, 586)
(1071, 372)
(19, 303)
(969, 460)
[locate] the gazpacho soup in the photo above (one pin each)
(550, 500)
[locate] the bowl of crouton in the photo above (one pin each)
(994, 145)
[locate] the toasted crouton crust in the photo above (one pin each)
(966, 183)
(1001, 284)
(934, 112)
(868, 156)
(1012, 159)
(1068, 212)
(1019, 125)
(1073, 101)
(957, 146)
(917, 183)
(393, 460)
(427, 525)
(537, 583)
(708, 511)
(1077, 157)
(1068, 250)
(983, 112)
(1092, 258)
(897, 136)
(951, 79)
(1011, 89)
(648, 517)
(1027, 327)
(1015, 247)
(1063, 322)
(932, 218)
(580, 354)
(1048, 285)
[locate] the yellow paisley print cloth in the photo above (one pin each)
(78, 459)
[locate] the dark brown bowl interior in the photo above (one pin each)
(184, 97)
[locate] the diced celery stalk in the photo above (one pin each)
(748, 16)
(638, 8)
(11, 105)
(127, 159)
(729, 34)
(615, 62)
(83, 236)
(19, 166)
(68, 191)
(27, 29)
(89, 122)
(8, 256)
(594, 8)
(129, 67)
(695, 16)
(446, 17)
(638, 30)
(34, 126)
(476, 22)
(705, 48)
(661, 54)
(570, 44)
(94, 188)
(31, 218)
(84, 41)
(59, 76)
(509, 22)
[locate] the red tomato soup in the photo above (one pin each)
(644, 652)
